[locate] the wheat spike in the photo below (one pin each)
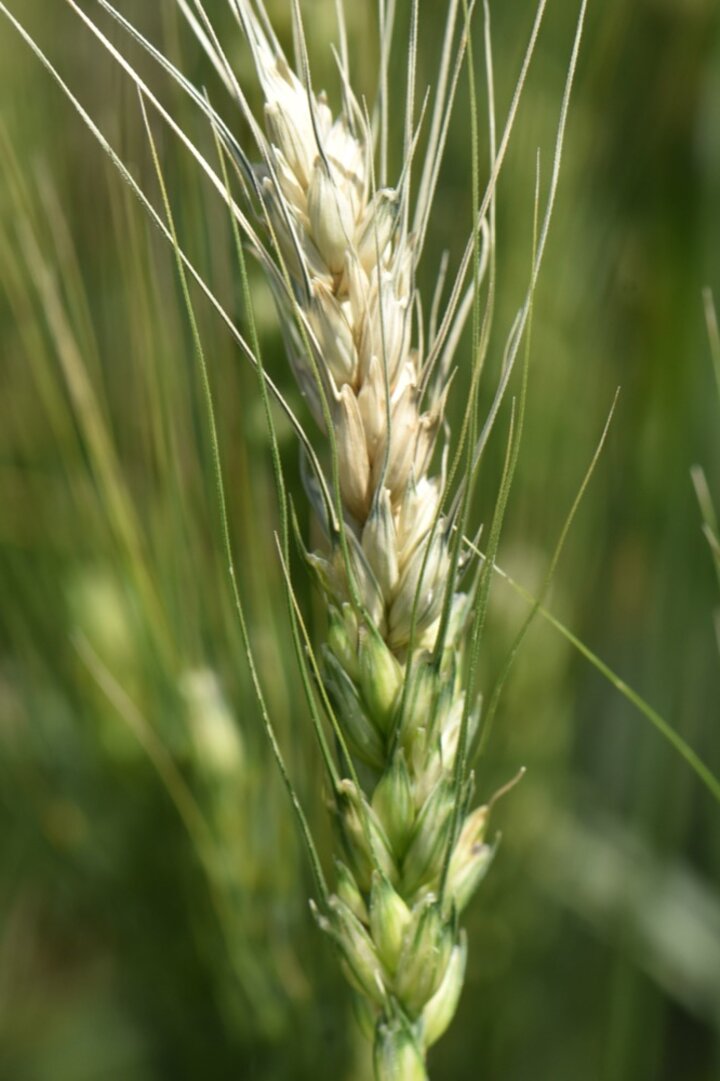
(351, 334)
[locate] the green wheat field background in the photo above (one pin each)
(154, 921)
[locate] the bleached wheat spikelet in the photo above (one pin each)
(354, 289)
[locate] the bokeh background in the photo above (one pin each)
(153, 893)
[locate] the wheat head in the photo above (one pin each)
(403, 880)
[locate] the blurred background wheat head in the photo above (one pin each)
(153, 916)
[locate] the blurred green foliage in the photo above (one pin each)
(153, 917)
